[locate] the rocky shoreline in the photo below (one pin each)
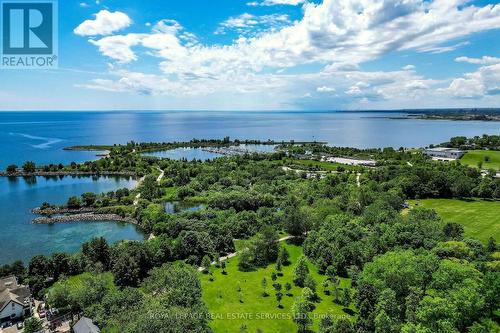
(84, 217)
(68, 173)
(59, 210)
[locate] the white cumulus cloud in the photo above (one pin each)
(104, 23)
(486, 60)
(276, 2)
(325, 89)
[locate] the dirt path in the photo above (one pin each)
(158, 180)
(234, 254)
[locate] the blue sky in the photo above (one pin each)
(266, 55)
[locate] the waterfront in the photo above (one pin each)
(20, 239)
(41, 136)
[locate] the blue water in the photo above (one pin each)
(185, 153)
(41, 137)
(174, 207)
(20, 239)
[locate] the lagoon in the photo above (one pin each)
(19, 239)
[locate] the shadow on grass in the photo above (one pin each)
(350, 312)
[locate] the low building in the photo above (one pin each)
(85, 325)
(349, 161)
(442, 153)
(15, 300)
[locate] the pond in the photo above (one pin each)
(204, 155)
(173, 207)
(185, 153)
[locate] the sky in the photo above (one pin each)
(266, 55)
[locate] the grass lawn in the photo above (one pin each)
(481, 218)
(473, 157)
(230, 315)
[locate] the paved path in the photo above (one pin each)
(158, 180)
(234, 254)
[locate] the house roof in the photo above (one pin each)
(11, 291)
(443, 149)
(85, 325)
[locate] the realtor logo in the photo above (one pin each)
(29, 38)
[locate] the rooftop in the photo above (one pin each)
(10, 290)
(85, 325)
(442, 149)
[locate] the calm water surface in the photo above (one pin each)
(19, 239)
(41, 136)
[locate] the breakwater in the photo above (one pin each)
(84, 217)
(61, 210)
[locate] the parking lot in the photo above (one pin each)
(12, 329)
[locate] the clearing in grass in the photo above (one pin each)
(489, 159)
(237, 304)
(480, 218)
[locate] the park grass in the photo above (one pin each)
(480, 218)
(230, 315)
(327, 166)
(473, 157)
(170, 194)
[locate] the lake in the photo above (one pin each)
(20, 239)
(41, 137)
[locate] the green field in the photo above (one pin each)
(328, 166)
(230, 315)
(473, 157)
(481, 218)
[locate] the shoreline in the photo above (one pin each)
(84, 217)
(68, 173)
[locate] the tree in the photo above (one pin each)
(300, 272)
(279, 297)
(284, 256)
(149, 188)
(11, 169)
(97, 250)
(240, 292)
(310, 283)
(126, 271)
(383, 323)
(288, 288)
(223, 267)
(453, 231)
(32, 325)
(296, 222)
(346, 297)
(309, 296)
(279, 267)
(245, 261)
(300, 313)
(206, 263)
(88, 199)
(492, 245)
(73, 203)
(343, 325)
(263, 283)
(29, 167)
(265, 247)
(326, 286)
